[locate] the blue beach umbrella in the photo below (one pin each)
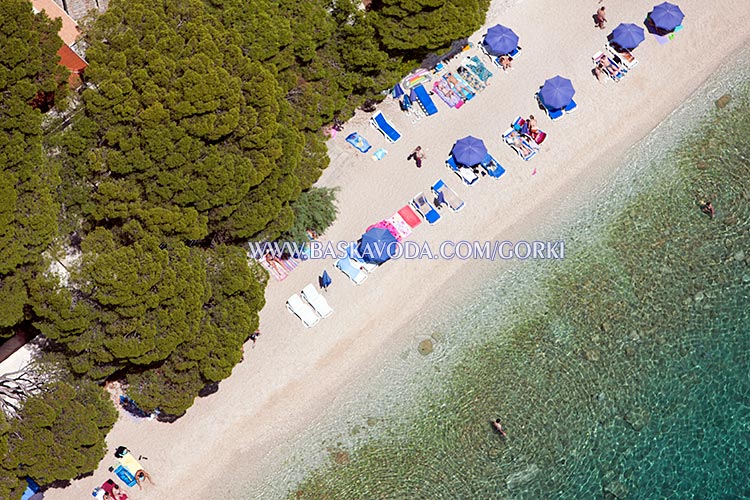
(377, 245)
(469, 151)
(627, 35)
(500, 40)
(557, 92)
(325, 280)
(397, 91)
(667, 16)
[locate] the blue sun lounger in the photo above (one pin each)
(423, 206)
(492, 167)
(420, 94)
(358, 142)
(383, 126)
(554, 114)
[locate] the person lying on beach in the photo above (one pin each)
(505, 61)
(516, 140)
(273, 262)
(609, 67)
(141, 476)
(461, 88)
(499, 427)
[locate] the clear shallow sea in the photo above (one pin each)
(623, 372)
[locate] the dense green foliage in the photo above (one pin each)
(199, 128)
(28, 212)
(315, 209)
(58, 436)
(426, 25)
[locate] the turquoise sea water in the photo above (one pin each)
(624, 372)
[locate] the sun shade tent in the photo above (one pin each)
(469, 151)
(627, 36)
(420, 95)
(666, 16)
(557, 92)
(500, 40)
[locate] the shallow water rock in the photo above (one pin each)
(592, 355)
(616, 489)
(746, 278)
(702, 165)
(630, 351)
(372, 421)
(722, 101)
(425, 347)
(699, 296)
(635, 337)
(437, 336)
(522, 477)
(342, 458)
(739, 256)
(638, 418)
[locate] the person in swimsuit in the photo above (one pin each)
(499, 427)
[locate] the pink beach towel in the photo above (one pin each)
(386, 224)
(398, 222)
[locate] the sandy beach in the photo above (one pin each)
(294, 374)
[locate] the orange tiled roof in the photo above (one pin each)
(74, 63)
(69, 31)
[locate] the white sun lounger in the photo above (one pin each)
(352, 270)
(317, 301)
(450, 197)
(296, 306)
(622, 56)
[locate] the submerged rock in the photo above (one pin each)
(616, 489)
(638, 418)
(591, 355)
(722, 101)
(342, 458)
(739, 256)
(521, 477)
(425, 347)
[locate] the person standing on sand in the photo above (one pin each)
(601, 19)
(418, 156)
